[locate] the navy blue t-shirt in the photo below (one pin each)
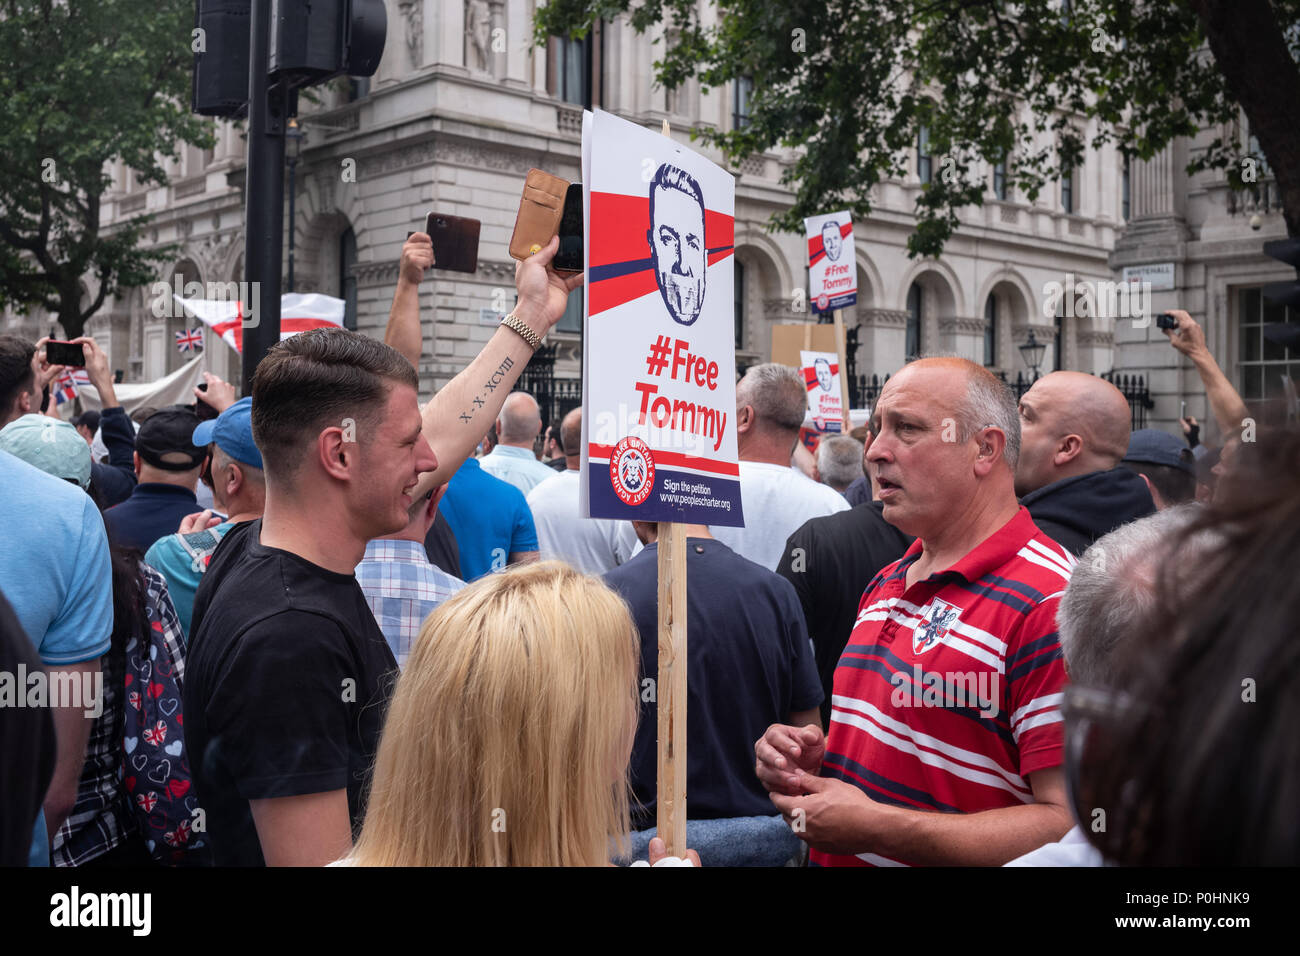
(153, 510)
(750, 664)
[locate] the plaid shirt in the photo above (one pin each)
(100, 819)
(402, 589)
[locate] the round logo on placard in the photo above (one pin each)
(632, 471)
(823, 301)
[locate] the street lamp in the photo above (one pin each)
(1032, 352)
(293, 135)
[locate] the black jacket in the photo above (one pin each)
(1075, 512)
(116, 480)
(830, 560)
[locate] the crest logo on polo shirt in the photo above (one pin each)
(938, 619)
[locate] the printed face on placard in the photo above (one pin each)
(823, 369)
(677, 242)
(832, 241)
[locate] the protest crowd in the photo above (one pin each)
(987, 632)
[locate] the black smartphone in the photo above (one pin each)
(455, 241)
(568, 258)
(65, 353)
(1166, 320)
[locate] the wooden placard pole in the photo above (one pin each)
(842, 346)
(670, 686)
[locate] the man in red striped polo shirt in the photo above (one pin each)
(945, 741)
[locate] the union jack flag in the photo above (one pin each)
(180, 835)
(156, 734)
(66, 385)
(190, 339)
(146, 801)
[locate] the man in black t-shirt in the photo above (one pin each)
(749, 663)
(289, 675)
(830, 561)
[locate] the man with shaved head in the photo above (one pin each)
(945, 743)
(512, 460)
(1074, 430)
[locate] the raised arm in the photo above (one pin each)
(459, 415)
(403, 330)
(1225, 403)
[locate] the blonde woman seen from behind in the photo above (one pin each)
(508, 737)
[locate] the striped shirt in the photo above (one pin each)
(402, 589)
(947, 695)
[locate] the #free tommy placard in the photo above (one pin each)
(658, 369)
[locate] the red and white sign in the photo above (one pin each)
(659, 357)
(832, 266)
(821, 376)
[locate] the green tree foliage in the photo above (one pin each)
(83, 82)
(848, 84)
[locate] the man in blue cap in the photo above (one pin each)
(1165, 463)
(238, 490)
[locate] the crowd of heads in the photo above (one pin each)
(516, 710)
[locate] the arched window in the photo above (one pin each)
(913, 343)
(348, 281)
(991, 332)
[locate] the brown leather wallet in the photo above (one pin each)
(540, 209)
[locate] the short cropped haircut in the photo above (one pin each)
(317, 379)
(16, 373)
(1174, 484)
(989, 401)
(571, 433)
(777, 395)
(839, 459)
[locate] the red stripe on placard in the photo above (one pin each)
(603, 452)
(815, 248)
(618, 241)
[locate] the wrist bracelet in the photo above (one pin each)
(518, 325)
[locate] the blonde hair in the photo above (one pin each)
(508, 736)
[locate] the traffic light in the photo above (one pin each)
(313, 40)
(310, 42)
(1288, 251)
(1284, 293)
(221, 58)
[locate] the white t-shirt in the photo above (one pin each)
(1073, 849)
(592, 545)
(777, 500)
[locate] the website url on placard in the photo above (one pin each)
(679, 499)
(1202, 923)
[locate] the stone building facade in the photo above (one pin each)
(1208, 240)
(463, 105)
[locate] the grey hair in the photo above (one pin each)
(1112, 590)
(989, 401)
(776, 393)
(839, 459)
